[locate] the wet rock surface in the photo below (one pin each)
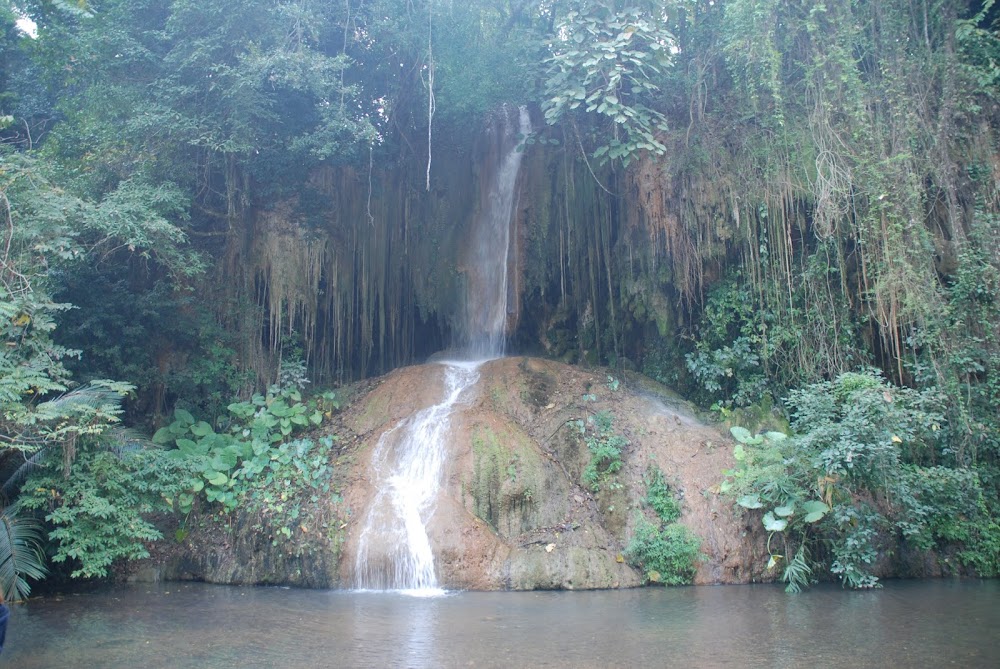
(513, 511)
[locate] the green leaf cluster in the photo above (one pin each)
(659, 497)
(847, 480)
(773, 478)
(21, 553)
(605, 62)
(605, 448)
(945, 507)
(100, 511)
(256, 446)
(46, 424)
(726, 363)
(664, 550)
(667, 554)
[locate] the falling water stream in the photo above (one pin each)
(484, 327)
(394, 550)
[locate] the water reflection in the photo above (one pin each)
(928, 624)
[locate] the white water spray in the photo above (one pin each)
(394, 550)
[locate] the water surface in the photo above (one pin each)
(907, 624)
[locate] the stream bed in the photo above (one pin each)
(905, 624)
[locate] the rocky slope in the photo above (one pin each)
(513, 512)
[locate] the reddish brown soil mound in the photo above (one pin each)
(514, 512)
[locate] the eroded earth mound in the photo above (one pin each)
(514, 511)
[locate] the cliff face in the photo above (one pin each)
(514, 512)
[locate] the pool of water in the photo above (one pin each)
(906, 624)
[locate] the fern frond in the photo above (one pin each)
(21, 554)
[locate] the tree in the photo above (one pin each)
(607, 61)
(43, 417)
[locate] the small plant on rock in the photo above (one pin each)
(666, 554)
(659, 497)
(605, 450)
(666, 551)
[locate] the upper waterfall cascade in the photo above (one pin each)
(487, 284)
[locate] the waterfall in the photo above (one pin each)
(484, 327)
(394, 550)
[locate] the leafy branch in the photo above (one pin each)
(605, 63)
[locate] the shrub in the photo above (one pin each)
(99, 511)
(664, 550)
(850, 475)
(667, 555)
(942, 506)
(258, 443)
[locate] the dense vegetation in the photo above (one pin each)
(760, 202)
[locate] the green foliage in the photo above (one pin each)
(726, 362)
(940, 504)
(860, 428)
(483, 57)
(298, 471)
(959, 350)
(50, 232)
(605, 450)
(62, 224)
(798, 572)
(844, 480)
(99, 511)
(666, 551)
(214, 90)
(258, 443)
(943, 507)
(754, 41)
(667, 554)
(982, 554)
(47, 426)
(731, 372)
(21, 553)
(30, 363)
(774, 476)
(605, 62)
(659, 497)
(84, 411)
(856, 528)
(164, 340)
